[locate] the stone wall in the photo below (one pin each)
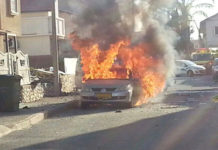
(32, 93)
(68, 84)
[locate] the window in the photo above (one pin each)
(14, 7)
(22, 62)
(216, 30)
(2, 62)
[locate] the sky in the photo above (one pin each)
(198, 19)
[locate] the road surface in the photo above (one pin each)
(184, 118)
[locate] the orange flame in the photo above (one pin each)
(134, 61)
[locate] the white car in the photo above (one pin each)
(189, 68)
(215, 69)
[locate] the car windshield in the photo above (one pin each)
(202, 57)
(190, 63)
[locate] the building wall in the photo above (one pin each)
(35, 45)
(65, 47)
(40, 61)
(38, 49)
(1, 44)
(8, 22)
(69, 21)
(211, 37)
(35, 39)
(36, 14)
(36, 32)
(38, 23)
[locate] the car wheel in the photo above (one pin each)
(125, 105)
(84, 105)
(130, 105)
(190, 73)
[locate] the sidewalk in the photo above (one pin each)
(32, 113)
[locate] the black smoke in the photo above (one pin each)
(108, 21)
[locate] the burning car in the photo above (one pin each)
(119, 91)
(118, 73)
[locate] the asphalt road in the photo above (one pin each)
(182, 119)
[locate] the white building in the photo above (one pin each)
(209, 28)
(36, 31)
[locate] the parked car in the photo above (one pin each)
(122, 92)
(113, 91)
(215, 69)
(189, 68)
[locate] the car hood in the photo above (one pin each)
(198, 66)
(109, 83)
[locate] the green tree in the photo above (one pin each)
(181, 15)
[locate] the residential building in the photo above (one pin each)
(12, 61)
(35, 40)
(9, 21)
(209, 29)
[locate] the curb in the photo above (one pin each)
(4, 131)
(36, 118)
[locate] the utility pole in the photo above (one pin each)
(54, 48)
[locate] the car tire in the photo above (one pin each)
(84, 105)
(190, 73)
(125, 105)
(130, 105)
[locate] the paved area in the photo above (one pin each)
(27, 109)
(174, 121)
(193, 83)
(32, 113)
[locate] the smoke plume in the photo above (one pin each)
(133, 31)
(108, 21)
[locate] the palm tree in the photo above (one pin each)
(182, 14)
(190, 8)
